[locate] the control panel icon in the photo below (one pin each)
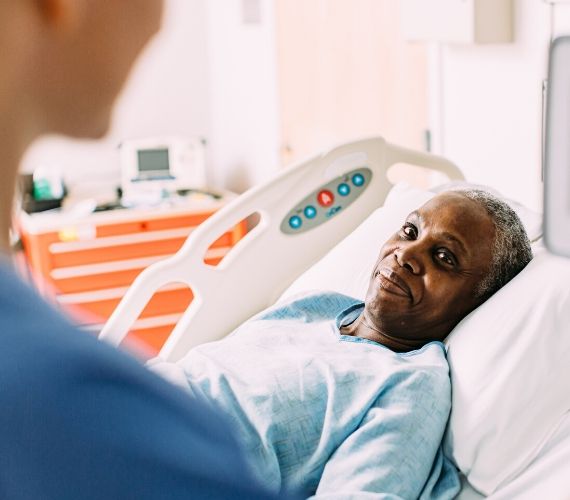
(295, 222)
(325, 198)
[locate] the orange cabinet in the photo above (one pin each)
(86, 264)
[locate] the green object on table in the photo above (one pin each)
(42, 189)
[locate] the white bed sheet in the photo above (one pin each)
(547, 477)
(467, 492)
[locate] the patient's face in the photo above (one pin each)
(426, 277)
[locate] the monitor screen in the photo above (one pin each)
(153, 162)
(557, 150)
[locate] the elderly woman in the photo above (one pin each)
(341, 398)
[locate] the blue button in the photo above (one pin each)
(310, 211)
(295, 222)
(343, 189)
(358, 179)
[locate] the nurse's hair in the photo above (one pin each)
(511, 249)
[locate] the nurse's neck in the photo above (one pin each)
(15, 137)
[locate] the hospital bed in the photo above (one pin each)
(508, 435)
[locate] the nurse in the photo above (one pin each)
(77, 418)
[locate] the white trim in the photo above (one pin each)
(156, 321)
(436, 97)
(120, 265)
(54, 221)
(140, 324)
(107, 294)
(127, 239)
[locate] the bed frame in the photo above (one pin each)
(257, 270)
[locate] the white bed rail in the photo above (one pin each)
(266, 260)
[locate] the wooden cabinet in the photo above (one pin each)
(85, 265)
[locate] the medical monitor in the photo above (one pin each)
(161, 164)
(557, 149)
(153, 163)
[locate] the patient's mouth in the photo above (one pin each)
(392, 283)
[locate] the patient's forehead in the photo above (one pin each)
(452, 212)
(453, 207)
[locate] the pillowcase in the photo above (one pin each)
(510, 370)
(547, 475)
(509, 359)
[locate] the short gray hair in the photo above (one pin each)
(511, 250)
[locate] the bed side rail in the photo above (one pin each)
(254, 273)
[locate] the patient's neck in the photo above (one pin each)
(364, 328)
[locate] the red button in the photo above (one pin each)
(325, 198)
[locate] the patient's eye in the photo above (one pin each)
(445, 256)
(410, 231)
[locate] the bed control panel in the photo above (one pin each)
(327, 201)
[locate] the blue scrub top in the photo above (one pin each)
(79, 419)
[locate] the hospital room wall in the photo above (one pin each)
(244, 86)
(207, 74)
(166, 94)
(212, 75)
(490, 103)
(344, 72)
(244, 126)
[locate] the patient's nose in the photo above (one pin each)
(407, 257)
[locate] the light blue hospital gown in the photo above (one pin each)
(330, 414)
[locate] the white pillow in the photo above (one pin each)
(510, 359)
(547, 475)
(510, 370)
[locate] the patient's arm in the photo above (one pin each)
(395, 452)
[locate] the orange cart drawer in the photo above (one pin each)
(152, 224)
(111, 275)
(88, 265)
(66, 255)
(94, 307)
(151, 338)
(69, 254)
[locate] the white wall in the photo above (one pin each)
(166, 94)
(244, 141)
(210, 74)
(491, 104)
(206, 74)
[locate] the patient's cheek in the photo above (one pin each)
(387, 249)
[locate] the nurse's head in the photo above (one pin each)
(449, 256)
(63, 62)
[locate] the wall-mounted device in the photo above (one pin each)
(457, 21)
(557, 150)
(159, 164)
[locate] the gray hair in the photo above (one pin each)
(511, 249)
